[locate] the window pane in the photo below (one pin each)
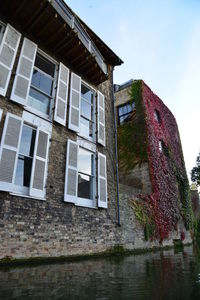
(120, 111)
(23, 172)
(45, 65)
(85, 186)
(121, 120)
(126, 118)
(129, 108)
(85, 161)
(27, 141)
(125, 109)
(42, 82)
(39, 101)
(86, 109)
(87, 94)
(86, 128)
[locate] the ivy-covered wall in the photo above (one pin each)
(151, 136)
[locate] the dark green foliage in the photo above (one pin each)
(195, 173)
(132, 141)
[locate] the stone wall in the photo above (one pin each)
(31, 228)
(131, 232)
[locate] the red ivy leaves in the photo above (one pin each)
(164, 198)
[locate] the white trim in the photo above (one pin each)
(37, 121)
(6, 186)
(67, 197)
(13, 96)
(44, 126)
(1, 113)
(49, 116)
(86, 144)
(84, 201)
(33, 191)
(93, 138)
(37, 113)
(70, 125)
(89, 203)
(47, 56)
(2, 43)
(2, 31)
(56, 117)
(103, 204)
(100, 141)
(27, 196)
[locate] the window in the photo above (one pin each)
(160, 146)
(81, 181)
(42, 85)
(87, 112)
(157, 116)
(84, 102)
(163, 148)
(85, 174)
(25, 157)
(124, 112)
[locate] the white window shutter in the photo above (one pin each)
(75, 103)
(102, 181)
(39, 166)
(8, 51)
(71, 173)
(61, 95)
(9, 151)
(1, 113)
(101, 119)
(24, 72)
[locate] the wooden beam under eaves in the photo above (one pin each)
(18, 9)
(65, 43)
(75, 46)
(87, 63)
(38, 15)
(79, 56)
(56, 34)
(46, 26)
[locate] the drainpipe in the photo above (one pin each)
(116, 154)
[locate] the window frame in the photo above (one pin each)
(90, 203)
(53, 97)
(94, 121)
(157, 116)
(126, 114)
(21, 188)
(33, 122)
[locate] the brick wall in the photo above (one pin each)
(30, 227)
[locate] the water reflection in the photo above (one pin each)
(165, 275)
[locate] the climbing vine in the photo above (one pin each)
(132, 140)
(155, 139)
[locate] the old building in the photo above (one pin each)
(152, 175)
(57, 157)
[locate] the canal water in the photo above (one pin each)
(161, 275)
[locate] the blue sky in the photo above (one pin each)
(159, 42)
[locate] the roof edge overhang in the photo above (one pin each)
(54, 26)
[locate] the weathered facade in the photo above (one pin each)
(57, 157)
(154, 189)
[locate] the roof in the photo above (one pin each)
(55, 27)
